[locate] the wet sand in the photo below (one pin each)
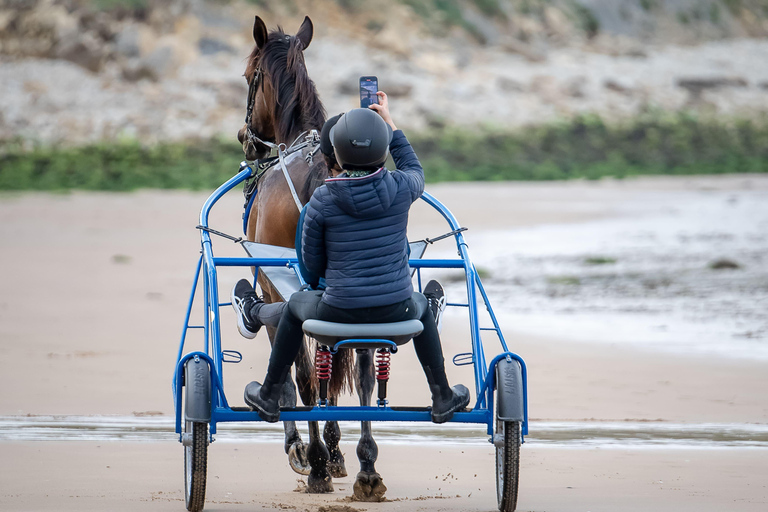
(148, 476)
(94, 286)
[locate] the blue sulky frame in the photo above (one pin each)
(212, 352)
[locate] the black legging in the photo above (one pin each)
(306, 305)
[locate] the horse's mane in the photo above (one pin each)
(298, 105)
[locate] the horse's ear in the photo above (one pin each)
(259, 32)
(305, 32)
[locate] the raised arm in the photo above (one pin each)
(401, 150)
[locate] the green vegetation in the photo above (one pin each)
(599, 260)
(564, 280)
(120, 166)
(109, 5)
(585, 147)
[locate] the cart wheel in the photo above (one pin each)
(507, 442)
(195, 464)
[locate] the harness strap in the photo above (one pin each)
(281, 154)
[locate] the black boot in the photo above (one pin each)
(446, 400)
(265, 399)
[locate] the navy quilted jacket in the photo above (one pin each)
(354, 232)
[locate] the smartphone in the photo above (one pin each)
(369, 86)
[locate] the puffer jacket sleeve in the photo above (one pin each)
(313, 234)
(407, 163)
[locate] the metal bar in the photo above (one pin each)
(283, 262)
(355, 413)
(206, 305)
(186, 317)
(496, 328)
(213, 313)
(457, 304)
(245, 173)
(461, 245)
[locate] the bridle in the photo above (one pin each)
(251, 135)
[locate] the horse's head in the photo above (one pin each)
(282, 100)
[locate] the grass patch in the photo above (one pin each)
(120, 166)
(564, 280)
(599, 260)
(585, 147)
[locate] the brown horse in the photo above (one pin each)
(284, 104)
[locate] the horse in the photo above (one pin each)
(283, 104)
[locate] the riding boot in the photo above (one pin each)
(265, 399)
(446, 400)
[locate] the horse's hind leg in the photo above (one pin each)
(369, 486)
(332, 436)
(319, 479)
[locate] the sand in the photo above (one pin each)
(94, 286)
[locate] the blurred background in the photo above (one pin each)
(124, 94)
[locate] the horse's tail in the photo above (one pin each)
(342, 377)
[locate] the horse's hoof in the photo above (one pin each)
(317, 484)
(297, 458)
(369, 487)
(336, 466)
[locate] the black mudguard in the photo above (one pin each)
(197, 380)
(509, 389)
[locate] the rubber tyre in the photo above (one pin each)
(507, 464)
(195, 465)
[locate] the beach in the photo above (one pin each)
(94, 288)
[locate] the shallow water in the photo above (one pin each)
(641, 277)
(545, 433)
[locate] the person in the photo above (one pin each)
(354, 236)
(250, 309)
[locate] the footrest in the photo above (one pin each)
(330, 333)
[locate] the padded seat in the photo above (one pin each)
(330, 333)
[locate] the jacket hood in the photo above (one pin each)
(368, 196)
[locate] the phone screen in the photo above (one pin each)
(369, 86)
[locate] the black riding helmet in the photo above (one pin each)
(326, 147)
(361, 140)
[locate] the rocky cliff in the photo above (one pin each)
(75, 71)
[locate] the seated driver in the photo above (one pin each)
(354, 236)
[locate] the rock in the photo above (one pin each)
(557, 23)
(162, 62)
(697, 85)
(509, 85)
(84, 49)
(482, 28)
(348, 86)
(613, 85)
(575, 87)
(392, 40)
(530, 53)
(133, 41)
(724, 264)
(397, 90)
(210, 46)
(136, 69)
(232, 94)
